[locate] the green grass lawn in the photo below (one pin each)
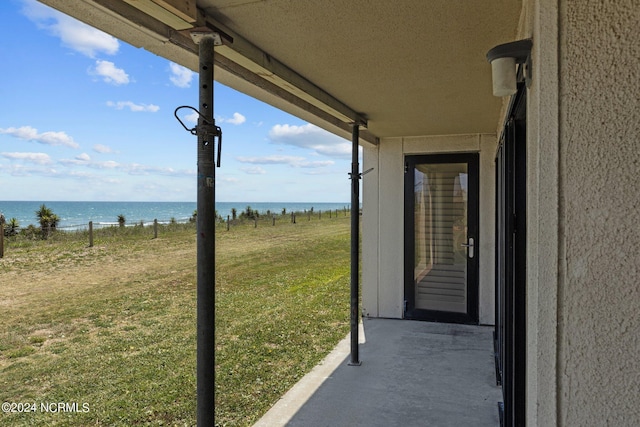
(110, 330)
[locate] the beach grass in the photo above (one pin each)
(106, 335)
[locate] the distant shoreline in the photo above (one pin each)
(78, 214)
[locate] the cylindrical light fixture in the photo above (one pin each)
(503, 59)
(504, 76)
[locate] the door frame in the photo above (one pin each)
(511, 241)
(473, 221)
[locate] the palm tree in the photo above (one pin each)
(48, 220)
(13, 226)
(121, 220)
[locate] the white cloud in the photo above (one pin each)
(37, 158)
(237, 119)
(82, 167)
(130, 168)
(110, 73)
(29, 133)
(92, 177)
(133, 106)
(316, 164)
(271, 160)
(311, 137)
(39, 170)
(85, 39)
(253, 170)
(103, 149)
(138, 169)
(81, 159)
(19, 170)
(84, 157)
(73, 34)
(295, 161)
(229, 180)
(180, 76)
(109, 164)
(192, 117)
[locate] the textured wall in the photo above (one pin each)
(599, 292)
(540, 21)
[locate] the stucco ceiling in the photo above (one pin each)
(410, 67)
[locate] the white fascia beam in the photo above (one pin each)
(179, 15)
(250, 57)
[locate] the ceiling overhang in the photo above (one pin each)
(396, 68)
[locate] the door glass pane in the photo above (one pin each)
(440, 218)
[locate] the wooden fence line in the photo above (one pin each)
(90, 229)
(293, 218)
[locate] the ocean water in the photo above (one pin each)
(75, 215)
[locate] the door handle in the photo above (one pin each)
(469, 246)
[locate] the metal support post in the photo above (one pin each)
(1, 239)
(206, 245)
(207, 132)
(355, 244)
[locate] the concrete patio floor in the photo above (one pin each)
(412, 373)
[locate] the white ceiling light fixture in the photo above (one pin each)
(503, 59)
(178, 14)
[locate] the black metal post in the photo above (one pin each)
(355, 244)
(206, 244)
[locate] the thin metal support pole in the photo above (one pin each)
(1, 239)
(206, 245)
(355, 244)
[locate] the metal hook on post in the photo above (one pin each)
(361, 174)
(207, 130)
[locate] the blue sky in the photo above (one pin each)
(84, 116)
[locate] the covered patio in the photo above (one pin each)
(398, 79)
(412, 373)
(554, 163)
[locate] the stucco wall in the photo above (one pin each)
(539, 21)
(383, 220)
(599, 287)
